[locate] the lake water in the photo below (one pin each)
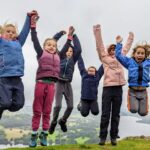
(128, 127)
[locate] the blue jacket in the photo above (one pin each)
(11, 57)
(138, 73)
(89, 85)
(67, 64)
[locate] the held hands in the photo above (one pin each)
(119, 39)
(34, 17)
(33, 12)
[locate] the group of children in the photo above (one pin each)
(54, 76)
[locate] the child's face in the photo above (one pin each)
(91, 71)
(139, 55)
(50, 46)
(10, 33)
(112, 50)
(69, 53)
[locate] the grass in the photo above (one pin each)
(126, 144)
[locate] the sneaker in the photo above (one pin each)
(43, 138)
(62, 125)
(33, 141)
(113, 141)
(118, 137)
(52, 128)
(102, 141)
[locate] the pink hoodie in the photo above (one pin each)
(113, 70)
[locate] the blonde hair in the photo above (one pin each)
(2, 28)
(147, 47)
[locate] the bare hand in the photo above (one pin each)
(119, 39)
(97, 27)
(63, 31)
(131, 34)
(71, 30)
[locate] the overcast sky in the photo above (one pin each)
(115, 16)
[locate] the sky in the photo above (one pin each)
(115, 16)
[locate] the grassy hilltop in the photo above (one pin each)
(134, 143)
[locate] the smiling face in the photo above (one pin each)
(50, 46)
(9, 32)
(139, 54)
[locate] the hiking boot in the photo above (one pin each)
(114, 142)
(43, 138)
(52, 128)
(63, 125)
(102, 141)
(79, 106)
(33, 141)
(1, 112)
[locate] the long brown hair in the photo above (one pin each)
(146, 47)
(112, 46)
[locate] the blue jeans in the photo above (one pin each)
(11, 93)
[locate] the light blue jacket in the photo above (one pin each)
(11, 57)
(134, 68)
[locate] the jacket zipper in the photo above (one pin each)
(65, 68)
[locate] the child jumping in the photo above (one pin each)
(46, 76)
(112, 90)
(89, 88)
(68, 57)
(12, 66)
(138, 76)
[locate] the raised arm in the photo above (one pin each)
(24, 32)
(34, 37)
(120, 57)
(36, 42)
(100, 71)
(26, 28)
(58, 35)
(77, 48)
(128, 44)
(81, 65)
(66, 46)
(68, 43)
(99, 42)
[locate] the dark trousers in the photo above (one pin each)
(63, 88)
(111, 104)
(11, 93)
(87, 106)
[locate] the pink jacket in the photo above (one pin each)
(49, 65)
(113, 70)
